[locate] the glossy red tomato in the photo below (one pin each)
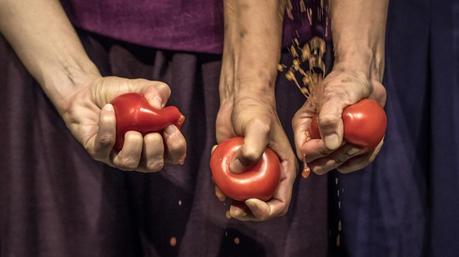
(364, 124)
(258, 181)
(134, 113)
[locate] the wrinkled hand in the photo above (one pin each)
(253, 116)
(338, 90)
(91, 119)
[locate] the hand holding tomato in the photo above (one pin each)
(327, 151)
(255, 119)
(134, 113)
(364, 124)
(259, 181)
(92, 120)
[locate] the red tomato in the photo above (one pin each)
(258, 181)
(364, 124)
(134, 113)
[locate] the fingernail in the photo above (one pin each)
(236, 166)
(234, 212)
(156, 102)
(318, 170)
(331, 141)
(353, 151)
(170, 130)
(251, 204)
(109, 108)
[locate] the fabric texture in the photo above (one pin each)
(180, 25)
(56, 201)
(406, 204)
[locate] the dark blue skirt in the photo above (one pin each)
(407, 203)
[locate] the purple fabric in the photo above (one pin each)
(56, 201)
(182, 25)
(186, 25)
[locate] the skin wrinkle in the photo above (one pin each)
(249, 69)
(356, 74)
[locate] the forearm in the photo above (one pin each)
(252, 43)
(46, 43)
(358, 30)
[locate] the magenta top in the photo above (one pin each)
(181, 25)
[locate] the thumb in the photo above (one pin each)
(331, 123)
(256, 138)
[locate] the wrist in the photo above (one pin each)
(64, 79)
(247, 85)
(244, 74)
(361, 60)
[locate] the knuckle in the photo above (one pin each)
(107, 119)
(283, 212)
(176, 146)
(328, 120)
(126, 163)
(106, 140)
(155, 166)
(262, 125)
(161, 86)
(250, 154)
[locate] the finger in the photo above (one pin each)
(331, 123)
(278, 206)
(258, 210)
(359, 163)
(102, 143)
(279, 203)
(379, 93)
(129, 156)
(219, 194)
(176, 145)
(153, 152)
(333, 161)
(315, 149)
(156, 93)
(239, 213)
(256, 139)
(266, 210)
(300, 123)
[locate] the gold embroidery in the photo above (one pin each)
(307, 67)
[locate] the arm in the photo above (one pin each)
(247, 101)
(358, 30)
(47, 44)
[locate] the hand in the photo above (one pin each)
(339, 89)
(91, 119)
(253, 116)
(251, 53)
